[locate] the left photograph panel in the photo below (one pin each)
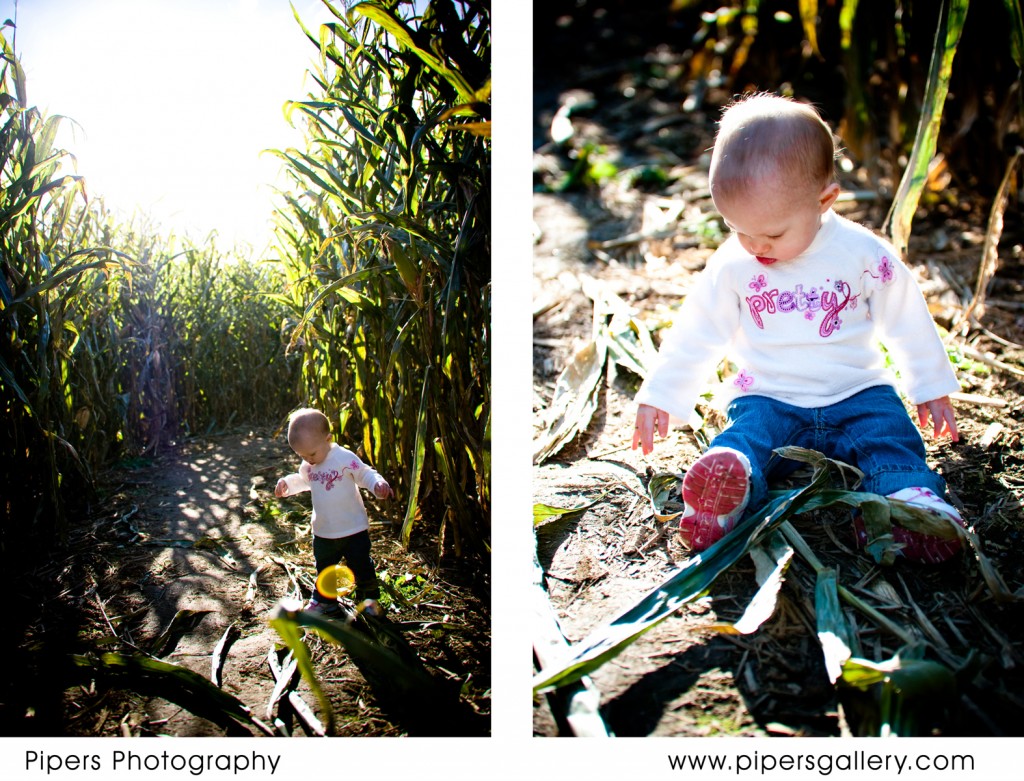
(245, 301)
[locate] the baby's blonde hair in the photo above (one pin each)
(307, 421)
(764, 137)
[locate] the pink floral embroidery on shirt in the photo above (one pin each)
(758, 283)
(743, 381)
(885, 270)
(327, 478)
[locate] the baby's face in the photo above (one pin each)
(775, 225)
(311, 447)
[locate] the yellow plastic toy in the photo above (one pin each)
(336, 581)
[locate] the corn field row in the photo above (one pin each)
(374, 304)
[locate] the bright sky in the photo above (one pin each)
(175, 100)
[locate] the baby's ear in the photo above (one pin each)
(828, 196)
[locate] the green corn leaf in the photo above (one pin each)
(389, 221)
(444, 460)
(341, 288)
(32, 198)
(287, 622)
(359, 127)
(55, 280)
(696, 575)
(578, 702)
(403, 35)
(833, 632)
(542, 513)
(1016, 31)
(878, 526)
(403, 334)
(909, 690)
(420, 450)
(19, 74)
(11, 382)
(846, 17)
(407, 269)
(170, 682)
(689, 581)
(379, 652)
(947, 37)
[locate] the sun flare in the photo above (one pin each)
(170, 104)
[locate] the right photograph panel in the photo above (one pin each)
(778, 317)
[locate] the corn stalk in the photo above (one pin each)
(383, 243)
(39, 322)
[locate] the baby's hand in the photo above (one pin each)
(382, 490)
(281, 489)
(648, 419)
(943, 420)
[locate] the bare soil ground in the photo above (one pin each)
(198, 529)
(683, 678)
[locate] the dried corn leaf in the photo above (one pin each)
(250, 591)
(630, 344)
(184, 622)
(220, 653)
(989, 253)
(770, 564)
(663, 493)
(575, 398)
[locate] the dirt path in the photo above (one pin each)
(200, 540)
(198, 529)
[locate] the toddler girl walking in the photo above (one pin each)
(334, 475)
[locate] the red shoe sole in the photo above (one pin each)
(715, 488)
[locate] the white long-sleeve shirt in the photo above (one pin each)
(803, 331)
(338, 509)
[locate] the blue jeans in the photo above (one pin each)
(870, 430)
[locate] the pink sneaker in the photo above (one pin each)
(917, 546)
(328, 608)
(371, 607)
(715, 489)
